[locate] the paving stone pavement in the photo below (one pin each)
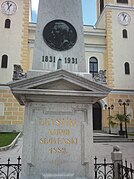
(101, 150)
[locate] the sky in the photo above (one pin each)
(88, 8)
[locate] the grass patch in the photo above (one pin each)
(7, 138)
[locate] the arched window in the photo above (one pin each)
(97, 116)
(127, 68)
(4, 61)
(124, 33)
(7, 23)
(93, 66)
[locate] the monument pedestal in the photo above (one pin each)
(58, 132)
(58, 140)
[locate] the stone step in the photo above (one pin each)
(111, 138)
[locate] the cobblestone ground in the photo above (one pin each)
(101, 150)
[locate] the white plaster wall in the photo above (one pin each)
(97, 55)
(101, 21)
(94, 40)
(123, 51)
(11, 41)
(94, 35)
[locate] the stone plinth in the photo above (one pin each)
(58, 140)
(58, 132)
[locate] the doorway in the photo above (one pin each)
(97, 116)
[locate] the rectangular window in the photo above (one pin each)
(122, 1)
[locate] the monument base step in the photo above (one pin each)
(55, 176)
(60, 176)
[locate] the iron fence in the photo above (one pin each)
(103, 170)
(10, 170)
(125, 172)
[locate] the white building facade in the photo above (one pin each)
(108, 47)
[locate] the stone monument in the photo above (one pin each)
(58, 131)
(59, 41)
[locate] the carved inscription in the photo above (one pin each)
(58, 141)
(58, 122)
(59, 134)
(52, 59)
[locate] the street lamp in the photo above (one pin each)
(109, 110)
(126, 103)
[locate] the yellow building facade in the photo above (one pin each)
(108, 46)
(14, 34)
